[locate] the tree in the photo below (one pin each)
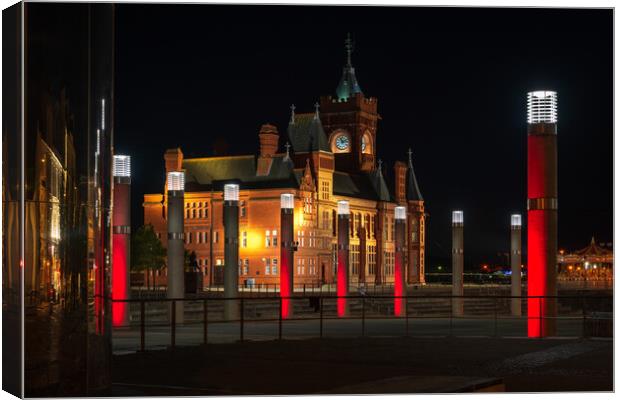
(147, 252)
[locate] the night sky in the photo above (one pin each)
(451, 83)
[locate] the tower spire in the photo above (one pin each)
(413, 190)
(348, 46)
(348, 85)
(288, 147)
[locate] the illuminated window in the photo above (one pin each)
(246, 266)
(274, 238)
(300, 238)
(274, 266)
(267, 239)
(372, 259)
(324, 190)
(242, 208)
(244, 239)
(267, 266)
(216, 237)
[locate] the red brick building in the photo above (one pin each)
(331, 155)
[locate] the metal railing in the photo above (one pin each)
(424, 315)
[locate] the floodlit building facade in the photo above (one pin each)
(327, 155)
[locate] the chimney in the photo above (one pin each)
(268, 137)
(174, 159)
(400, 170)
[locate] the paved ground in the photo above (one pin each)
(127, 340)
(366, 365)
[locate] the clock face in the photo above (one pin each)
(342, 142)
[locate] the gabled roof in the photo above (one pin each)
(211, 173)
(306, 134)
(367, 186)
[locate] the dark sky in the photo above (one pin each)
(451, 83)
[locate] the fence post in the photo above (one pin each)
(407, 316)
(540, 321)
(204, 320)
(142, 324)
(495, 316)
(583, 312)
(173, 324)
(280, 319)
(321, 317)
(363, 316)
(451, 312)
(241, 317)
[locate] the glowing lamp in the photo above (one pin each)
(343, 207)
(176, 180)
(400, 212)
(542, 107)
(231, 192)
(287, 201)
(457, 217)
(515, 220)
(121, 166)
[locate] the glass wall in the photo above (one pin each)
(12, 226)
(61, 228)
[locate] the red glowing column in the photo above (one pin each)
(121, 222)
(400, 215)
(542, 217)
(286, 253)
(342, 280)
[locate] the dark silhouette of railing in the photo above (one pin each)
(592, 313)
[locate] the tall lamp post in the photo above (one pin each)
(342, 288)
(457, 263)
(515, 264)
(121, 235)
(542, 212)
(176, 243)
(231, 250)
(400, 222)
(287, 206)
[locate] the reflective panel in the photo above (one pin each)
(57, 191)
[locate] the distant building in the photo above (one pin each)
(330, 155)
(593, 262)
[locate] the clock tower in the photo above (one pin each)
(350, 122)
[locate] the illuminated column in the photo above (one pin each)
(121, 225)
(287, 202)
(231, 250)
(342, 288)
(542, 212)
(400, 229)
(176, 243)
(457, 262)
(515, 264)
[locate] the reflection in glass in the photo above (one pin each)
(58, 213)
